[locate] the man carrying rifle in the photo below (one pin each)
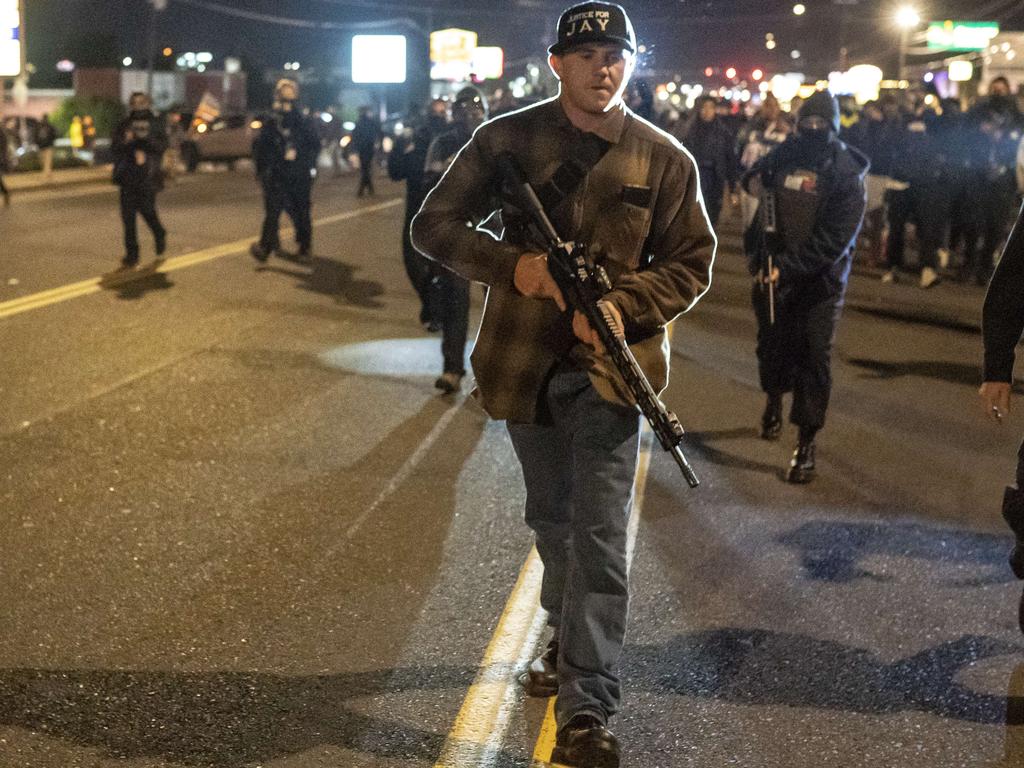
(801, 264)
(610, 180)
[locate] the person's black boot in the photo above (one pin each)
(585, 742)
(771, 419)
(540, 680)
(801, 467)
(1013, 514)
(161, 244)
(259, 253)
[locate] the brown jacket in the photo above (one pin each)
(659, 251)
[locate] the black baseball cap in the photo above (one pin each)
(594, 23)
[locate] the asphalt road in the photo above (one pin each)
(242, 529)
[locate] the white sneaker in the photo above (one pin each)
(929, 277)
(889, 276)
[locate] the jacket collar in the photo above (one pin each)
(610, 130)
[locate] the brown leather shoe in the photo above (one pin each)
(540, 679)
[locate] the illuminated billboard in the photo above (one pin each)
(488, 63)
(961, 35)
(378, 59)
(10, 38)
(451, 54)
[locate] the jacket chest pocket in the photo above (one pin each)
(627, 230)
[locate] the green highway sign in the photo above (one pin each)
(961, 35)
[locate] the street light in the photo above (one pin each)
(907, 18)
(799, 9)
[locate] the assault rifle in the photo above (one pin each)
(584, 284)
(770, 229)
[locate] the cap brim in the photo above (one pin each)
(564, 46)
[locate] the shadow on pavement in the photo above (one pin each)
(132, 285)
(764, 668)
(702, 442)
(333, 278)
(954, 373)
(830, 551)
(223, 719)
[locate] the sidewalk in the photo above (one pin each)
(64, 177)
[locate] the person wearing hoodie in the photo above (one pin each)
(285, 155)
(713, 147)
(407, 162)
(469, 112)
(138, 146)
(817, 183)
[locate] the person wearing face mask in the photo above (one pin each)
(285, 154)
(407, 162)
(469, 111)
(817, 183)
(631, 191)
(138, 146)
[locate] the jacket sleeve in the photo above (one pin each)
(838, 222)
(1002, 319)
(445, 229)
(156, 143)
(683, 251)
(1020, 167)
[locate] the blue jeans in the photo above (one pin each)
(579, 475)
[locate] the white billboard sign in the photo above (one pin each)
(10, 38)
(378, 59)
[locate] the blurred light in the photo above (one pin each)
(204, 58)
(1011, 55)
(757, 74)
(256, 124)
(326, 117)
(399, 127)
(664, 95)
(346, 140)
(929, 77)
(929, 100)
(168, 52)
(641, 49)
(348, 125)
(201, 128)
(201, 68)
(708, 72)
(907, 17)
(730, 72)
(65, 65)
(770, 45)
(671, 87)
(794, 54)
(1005, 47)
(961, 71)
(378, 58)
(296, 66)
(799, 9)
(769, 36)
(126, 61)
(387, 144)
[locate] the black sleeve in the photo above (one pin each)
(1002, 318)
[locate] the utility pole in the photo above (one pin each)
(158, 6)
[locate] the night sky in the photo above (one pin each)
(683, 35)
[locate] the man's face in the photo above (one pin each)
(708, 111)
(593, 76)
(999, 88)
(439, 109)
(138, 103)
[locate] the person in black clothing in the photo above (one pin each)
(46, 137)
(469, 112)
(365, 137)
(992, 149)
(713, 147)
(1002, 325)
(5, 161)
(818, 187)
(285, 154)
(407, 162)
(138, 146)
(922, 162)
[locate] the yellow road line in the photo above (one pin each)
(548, 730)
(114, 279)
(480, 725)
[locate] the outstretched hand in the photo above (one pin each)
(995, 399)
